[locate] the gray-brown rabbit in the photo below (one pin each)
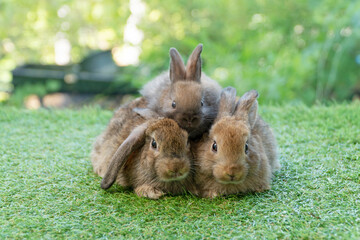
(239, 153)
(185, 94)
(149, 154)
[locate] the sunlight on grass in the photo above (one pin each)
(48, 189)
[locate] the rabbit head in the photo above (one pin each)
(228, 147)
(185, 103)
(167, 150)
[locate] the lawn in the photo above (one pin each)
(48, 189)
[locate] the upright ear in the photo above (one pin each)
(146, 113)
(247, 107)
(227, 103)
(193, 66)
(134, 141)
(177, 67)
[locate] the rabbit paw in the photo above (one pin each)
(263, 188)
(194, 191)
(148, 192)
(210, 194)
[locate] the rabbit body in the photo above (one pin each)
(238, 155)
(118, 129)
(150, 155)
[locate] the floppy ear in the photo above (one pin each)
(193, 66)
(177, 67)
(247, 107)
(227, 103)
(134, 141)
(146, 113)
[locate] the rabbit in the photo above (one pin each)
(238, 155)
(185, 94)
(149, 154)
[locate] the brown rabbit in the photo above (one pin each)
(185, 94)
(239, 153)
(149, 154)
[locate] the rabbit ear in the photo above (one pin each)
(146, 113)
(193, 66)
(227, 103)
(177, 67)
(133, 142)
(247, 106)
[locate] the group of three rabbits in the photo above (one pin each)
(187, 134)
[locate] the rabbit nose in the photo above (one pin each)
(186, 122)
(177, 170)
(233, 171)
(231, 176)
(194, 120)
(190, 120)
(176, 173)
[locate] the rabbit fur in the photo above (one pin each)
(238, 155)
(185, 94)
(149, 154)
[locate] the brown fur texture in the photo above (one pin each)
(231, 169)
(152, 172)
(195, 95)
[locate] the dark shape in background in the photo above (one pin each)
(95, 77)
(96, 74)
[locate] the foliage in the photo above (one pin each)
(288, 50)
(292, 50)
(28, 30)
(48, 189)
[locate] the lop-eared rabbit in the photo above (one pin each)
(147, 153)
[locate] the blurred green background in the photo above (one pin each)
(290, 51)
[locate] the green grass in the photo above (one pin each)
(48, 190)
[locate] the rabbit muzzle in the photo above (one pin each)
(188, 121)
(173, 170)
(230, 174)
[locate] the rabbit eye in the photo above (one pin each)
(202, 103)
(246, 148)
(214, 147)
(173, 104)
(154, 144)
